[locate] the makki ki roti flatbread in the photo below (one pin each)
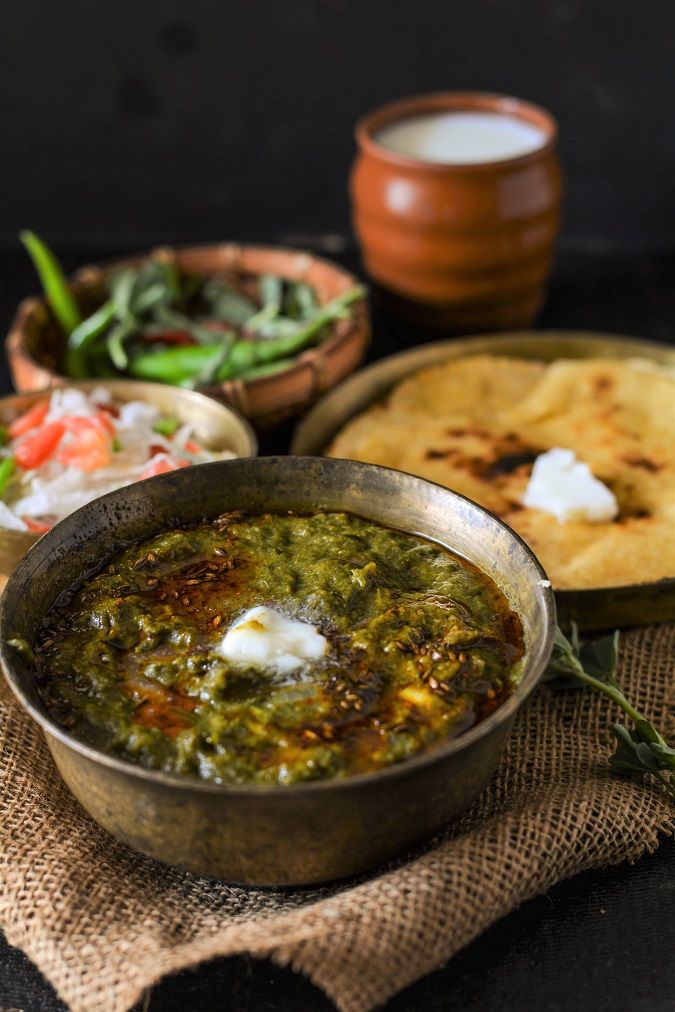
(477, 424)
(497, 383)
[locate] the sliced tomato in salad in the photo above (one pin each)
(36, 525)
(106, 421)
(29, 420)
(35, 449)
(90, 443)
(163, 464)
(86, 434)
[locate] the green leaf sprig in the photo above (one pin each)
(641, 750)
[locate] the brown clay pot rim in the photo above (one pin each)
(484, 101)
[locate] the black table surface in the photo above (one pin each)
(602, 940)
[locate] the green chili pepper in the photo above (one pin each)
(7, 468)
(206, 376)
(154, 295)
(173, 365)
(166, 426)
(84, 336)
(57, 290)
(247, 355)
(121, 286)
(172, 318)
(281, 326)
(4, 435)
(301, 300)
(263, 316)
(226, 304)
(93, 326)
(270, 290)
(115, 340)
(180, 365)
(171, 277)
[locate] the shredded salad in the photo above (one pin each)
(72, 447)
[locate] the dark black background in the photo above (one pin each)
(126, 123)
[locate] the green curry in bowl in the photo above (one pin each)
(278, 648)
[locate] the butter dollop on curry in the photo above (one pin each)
(265, 638)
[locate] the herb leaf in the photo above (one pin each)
(642, 750)
(600, 657)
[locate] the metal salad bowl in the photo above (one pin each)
(307, 832)
(217, 426)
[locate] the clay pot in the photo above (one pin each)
(458, 248)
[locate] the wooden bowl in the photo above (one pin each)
(35, 343)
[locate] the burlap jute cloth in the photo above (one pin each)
(103, 923)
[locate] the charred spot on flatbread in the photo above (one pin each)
(644, 462)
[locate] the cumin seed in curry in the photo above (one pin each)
(279, 648)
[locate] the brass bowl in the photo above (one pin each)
(217, 427)
(591, 609)
(300, 833)
(35, 344)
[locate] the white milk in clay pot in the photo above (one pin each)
(461, 138)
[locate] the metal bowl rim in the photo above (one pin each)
(538, 655)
